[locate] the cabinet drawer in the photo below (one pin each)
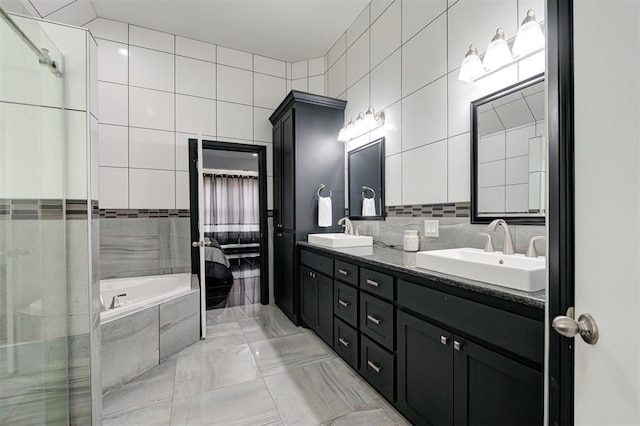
(378, 367)
(317, 262)
(346, 272)
(377, 283)
(346, 303)
(376, 320)
(346, 342)
(516, 333)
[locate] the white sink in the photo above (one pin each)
(513, 271)
(341, 240)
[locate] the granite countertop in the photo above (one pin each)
(402, 261)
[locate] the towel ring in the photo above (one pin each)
(322, 186)
(364, 189)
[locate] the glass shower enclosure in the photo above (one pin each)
(33, 291)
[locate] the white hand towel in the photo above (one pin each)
(324, 212)
(369, 207)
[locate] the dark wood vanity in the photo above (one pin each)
(441, 350)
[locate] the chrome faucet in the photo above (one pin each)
(115, 303)
(531, 250)
(508, 241)
(348, 226)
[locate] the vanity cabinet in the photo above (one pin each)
(306, 154)
(439, 354)
(446, 379)
(316, 310)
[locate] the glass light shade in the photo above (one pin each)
(350, 130)
(343, 134)
(498, 52)
(471, 67)
(529, 37)
(370, 119)
(359, 126)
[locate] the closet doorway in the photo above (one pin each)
(235, 222)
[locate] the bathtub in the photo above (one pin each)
(141, 292)
(159, 316)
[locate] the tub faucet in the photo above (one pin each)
(348, 226)
(508, 241)
(115, 303)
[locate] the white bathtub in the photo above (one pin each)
(142, 292)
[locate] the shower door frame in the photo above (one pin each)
(261, 150)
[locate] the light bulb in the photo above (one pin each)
(370, 119)
(342, 135)
(359, 125)
(498, 52)
(529, 37)
(471, 67)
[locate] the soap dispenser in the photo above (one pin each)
(411, 240)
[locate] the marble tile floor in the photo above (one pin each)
(254, 368)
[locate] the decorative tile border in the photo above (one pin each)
(430, 210)
(76, 209)
(142, 213)
(31, 209)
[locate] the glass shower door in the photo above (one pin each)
(33, 290)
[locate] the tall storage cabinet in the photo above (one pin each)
(306, 154)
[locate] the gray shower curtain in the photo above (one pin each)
(231, 213)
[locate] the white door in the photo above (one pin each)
(201, 242)
(607, 210)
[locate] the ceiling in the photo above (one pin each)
(289, 30)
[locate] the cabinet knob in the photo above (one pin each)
(279, 226)
(374, 319)
(458, 346)
(375, 367)
(444, 340)
(279, 234)
(344, 342)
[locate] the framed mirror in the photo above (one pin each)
(366, 181)
(508, 155)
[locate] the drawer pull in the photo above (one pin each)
(344, 342)
(374, 320)
(457, 345)
(444, 340)
(343, 303)
(343, 272)
(373, 283)
(374, 366)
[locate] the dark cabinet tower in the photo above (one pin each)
(306, 154)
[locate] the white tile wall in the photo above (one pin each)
(424, 174)
(386, 82)
(195, 77)
(424, 115)
(386, 34)
(517, 198)
(358, 59)
(76, 155)
(151, 69)
(459, 168)
(517, 170)
(358, 27)
(424, 57)
(153, 100)
(416, 14)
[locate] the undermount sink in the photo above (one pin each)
(514, 271)
(341, 240)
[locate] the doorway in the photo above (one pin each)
(235, 222)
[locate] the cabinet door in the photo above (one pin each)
(277, 176)
(308, 296)
(493, 389)
(324, 325)
(284, 274)
(287, 172)
(425, 371)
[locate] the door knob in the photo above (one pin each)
(585, 326)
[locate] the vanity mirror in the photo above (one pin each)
(366, 181)
(508, 155)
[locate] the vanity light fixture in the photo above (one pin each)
(471, 66)
(498, 52)
(529, 37)
(363, 123)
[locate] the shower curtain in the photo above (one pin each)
(231, 213)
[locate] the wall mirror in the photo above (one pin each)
(508, 160)
(366, 181)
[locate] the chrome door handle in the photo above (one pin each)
(444, 340)
(458, 346)
(585, 326)
(345, 343)
(375, 367)
(373, 283)
(343, 303)
(343, 272)
(374, 320)
(200, 244)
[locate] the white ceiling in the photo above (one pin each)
(289, 30)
